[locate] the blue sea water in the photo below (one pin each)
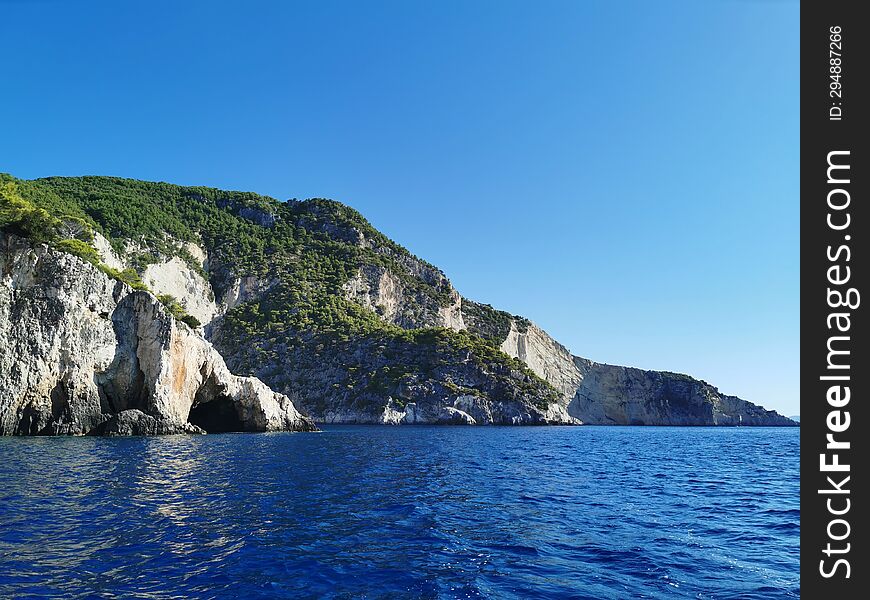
(405, 512)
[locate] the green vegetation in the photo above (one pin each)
(42, 216)
(21, 216)
(79, 248)
(177, 310)
(128, 276)
(311, 249)
(486, 321)
(490, 323)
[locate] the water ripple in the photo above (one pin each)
(379, 512)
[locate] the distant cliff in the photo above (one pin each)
(338, 319)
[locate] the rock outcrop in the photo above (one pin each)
(544, 355)
(179, 280)
(601, 394)
(383, 380)
(85, 354)
(306, 296)
(403, 301)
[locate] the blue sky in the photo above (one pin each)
(623, 173)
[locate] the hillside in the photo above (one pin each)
(308, 297)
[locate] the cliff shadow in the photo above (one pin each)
(122, 384)
(216, 416)
(213, 410)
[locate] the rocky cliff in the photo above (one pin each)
(82, 353)
(602, 394)
(311, 299)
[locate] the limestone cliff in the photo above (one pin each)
(611, 394)
(82, 353)
(588, 392)
(602, 394)
(311, 299)
(375, 378)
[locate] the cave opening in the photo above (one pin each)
(216, 416)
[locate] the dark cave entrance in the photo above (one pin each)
(216, 416)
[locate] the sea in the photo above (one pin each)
(405, 512)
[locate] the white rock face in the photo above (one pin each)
(377, 289)
(107, 253)
(558, 414)
(173, 277)
(445, 415)
(82, 353)
(451, 315)
(381, 291)
(456, 416)
(614, 395)
(549, 359)
(198, 254)
(459, 410)
(176, 278)
(244, 289)
(597, 393)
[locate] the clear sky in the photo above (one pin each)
(623, 173)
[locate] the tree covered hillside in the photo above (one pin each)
(304, 334)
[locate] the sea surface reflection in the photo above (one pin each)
(405, 512)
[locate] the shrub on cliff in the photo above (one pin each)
(22, 217)
(310, 250)
(78, 248)
(178, 311)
